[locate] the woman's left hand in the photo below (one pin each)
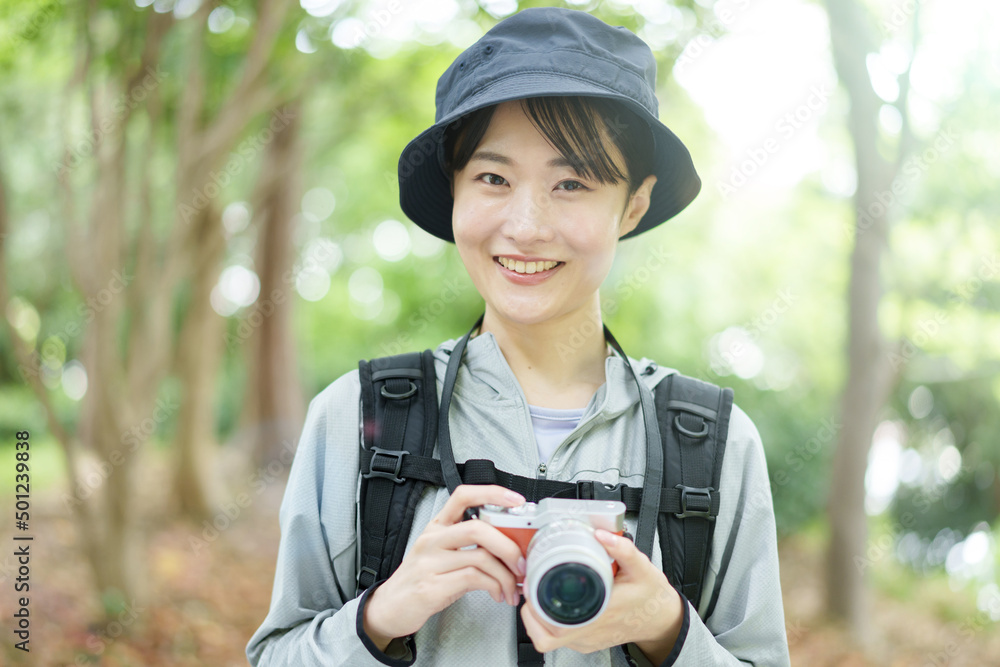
(644, 608)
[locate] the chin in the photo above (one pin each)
(527, 313)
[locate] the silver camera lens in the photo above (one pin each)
(568, 573)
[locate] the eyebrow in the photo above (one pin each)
(490, 156)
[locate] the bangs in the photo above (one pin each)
(578, 128)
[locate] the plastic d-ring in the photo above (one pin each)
(691, 434)
(389, 394)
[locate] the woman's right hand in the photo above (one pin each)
(437, 571)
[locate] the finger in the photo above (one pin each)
(456, 583)
(485, 562)
(543, 640)
(553, 630)
(472, 495)
(481, 534)
(625, 553)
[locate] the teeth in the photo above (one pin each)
(526, 267)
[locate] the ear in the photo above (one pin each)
(637, 206)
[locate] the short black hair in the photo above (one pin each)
(573, 125)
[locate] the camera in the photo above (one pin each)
(569, 573)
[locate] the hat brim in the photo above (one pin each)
(425, 190)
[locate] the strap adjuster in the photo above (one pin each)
(590, 490)
(396, 465)
(372, 576)
(700, 499)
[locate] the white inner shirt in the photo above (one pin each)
(551, 427)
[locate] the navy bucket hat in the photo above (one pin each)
(537, 52)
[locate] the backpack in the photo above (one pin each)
(400, 428)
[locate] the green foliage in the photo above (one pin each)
(23, 22)
(20, 410)
(950, 493)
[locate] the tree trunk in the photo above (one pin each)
(870, 371)
(118, 563)
(273, 408)
(99, 466)
(202, 148)
(198, 353)
(863, 397)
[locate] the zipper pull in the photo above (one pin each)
(541, 470)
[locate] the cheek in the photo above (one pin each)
(593, 239)
(599, 267)
(469, 220)
(596, 255)
(470, 236)
(597, 223)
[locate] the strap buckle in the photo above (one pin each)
(701, 502)
(590, 490)
(396, 465)
(372, 576)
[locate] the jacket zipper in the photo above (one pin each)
(542, 469)
(581, 429)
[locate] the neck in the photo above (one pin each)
(559, 363)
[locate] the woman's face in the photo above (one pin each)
(518, 203)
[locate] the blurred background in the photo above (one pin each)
(200, 230)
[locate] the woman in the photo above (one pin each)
(546, 151)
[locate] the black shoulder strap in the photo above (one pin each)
(694, 423)
(399, 414)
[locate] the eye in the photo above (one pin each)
(577, 185)
(491, 179)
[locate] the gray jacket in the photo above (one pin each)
(309, 624)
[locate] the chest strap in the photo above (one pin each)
(397, 466)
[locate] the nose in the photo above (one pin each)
(527, 216)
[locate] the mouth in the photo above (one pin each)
(526, 273)
(524, 268)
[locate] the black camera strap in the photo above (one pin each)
(653, 478)
(449, 469)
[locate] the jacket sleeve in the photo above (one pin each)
(313, 618)
(747, 625)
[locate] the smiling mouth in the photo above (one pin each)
(526, 267)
